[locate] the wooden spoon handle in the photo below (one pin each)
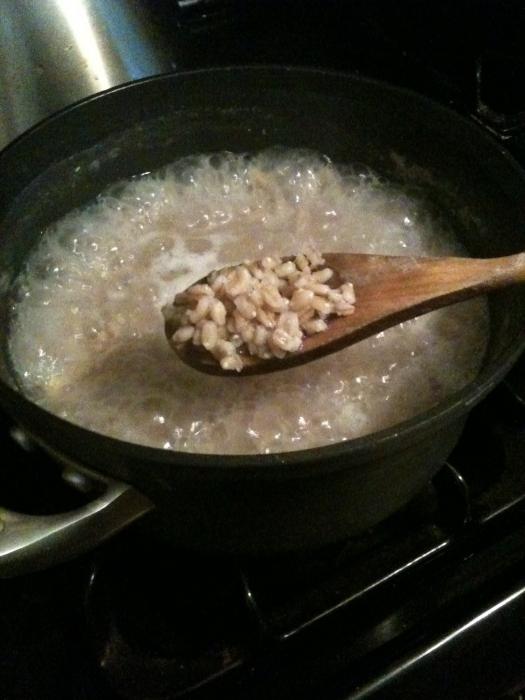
(470, 276)
(412, 280)
(392, 289)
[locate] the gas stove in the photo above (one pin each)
(427, 604)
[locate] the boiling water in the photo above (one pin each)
(87, 337)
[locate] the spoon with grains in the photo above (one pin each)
(276, 313)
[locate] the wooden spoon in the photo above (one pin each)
(389, 290)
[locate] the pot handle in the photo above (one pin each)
(32, 542)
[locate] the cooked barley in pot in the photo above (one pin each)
(87, 334)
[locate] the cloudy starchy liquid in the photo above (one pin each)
(87, 338)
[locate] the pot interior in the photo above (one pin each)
(68, 160)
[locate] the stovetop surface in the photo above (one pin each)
(426, 604)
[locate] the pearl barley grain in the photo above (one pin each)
(293, 309)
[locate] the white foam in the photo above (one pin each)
(87, 335)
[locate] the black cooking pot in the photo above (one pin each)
(267, 503)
